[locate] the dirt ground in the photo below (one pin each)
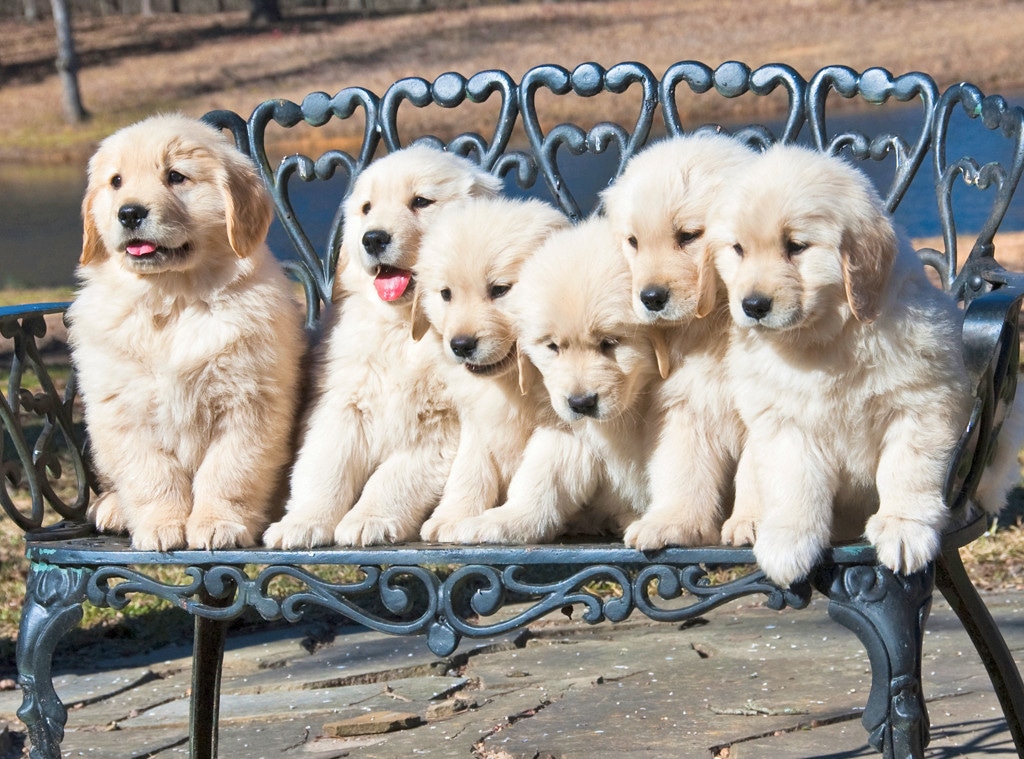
(132, 66)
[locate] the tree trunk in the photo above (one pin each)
(67, 63)
(31, 11)
(264, 11)
(146, 8)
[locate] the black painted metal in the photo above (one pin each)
(446, 593)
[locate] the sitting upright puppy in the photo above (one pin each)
(587, 468)
(469, 262)
(659, 208)
(382, 431)
(846, 367)
(185, 338)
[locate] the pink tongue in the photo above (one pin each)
(392, 283)
(141, 249)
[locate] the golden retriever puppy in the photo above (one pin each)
(469, 262)
(577, 329)
(185, 337)
(846, 367)
(382, 431)
(659, 209)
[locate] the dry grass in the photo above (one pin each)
(134, 66)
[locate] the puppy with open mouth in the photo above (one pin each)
(584, 468)
(185, 338)
(381, 432)
(468, 267)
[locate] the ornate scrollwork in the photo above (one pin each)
(48, 450)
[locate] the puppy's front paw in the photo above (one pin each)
(903, 545)
(437, 530)
(652, 532)
(296, 532)
(739, 530)
(166, 536)
(787, 554)
(106, 513)
(205, 533)
(356, 530)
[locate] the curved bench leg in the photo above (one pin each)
(951, 578)
(52, 607)
(888, 613)
(207, 663)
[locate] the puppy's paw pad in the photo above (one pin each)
(210, 534)
(739, 531)
(903, 545)
(296, 534)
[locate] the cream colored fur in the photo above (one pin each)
(187, 356)
(382, 431)
(659, 209)
(576, 326)
(469, 264)
(851, 381)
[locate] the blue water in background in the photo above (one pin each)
(40, 228)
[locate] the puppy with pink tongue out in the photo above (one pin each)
(381, 433)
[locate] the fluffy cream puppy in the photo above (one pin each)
(846, 367)
(185, 339)
(658, 209)
(469, 263)
(382, 431)
(577, 328)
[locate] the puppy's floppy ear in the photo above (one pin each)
(93, 248)
(247, 204)
(420, 324)
(483, 184)
(707, 282)
(867, 252)
(661, 352)
(527, 371)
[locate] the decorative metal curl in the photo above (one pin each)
(36, 465)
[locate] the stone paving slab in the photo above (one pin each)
(765, 684)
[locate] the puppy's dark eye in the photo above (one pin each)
(497, 291)
(115, 181)
(608, 344)
(175, 177)
(794, 248)
(739, 249)
(632, 242)
(446, 294)
(553, 346)
(366, 208)
(420, 202)
(686, 236)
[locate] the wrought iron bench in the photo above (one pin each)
(447, 593)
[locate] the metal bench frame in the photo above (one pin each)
(449, 592)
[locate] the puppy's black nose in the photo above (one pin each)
(583, 403)
(654, 297)
(463, 346)
(376, 241)
(131, 215)
(756, 306)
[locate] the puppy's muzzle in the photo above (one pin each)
(756, 306)
(131, 215)
(584, 404)
(375, 242)
(654, 297)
